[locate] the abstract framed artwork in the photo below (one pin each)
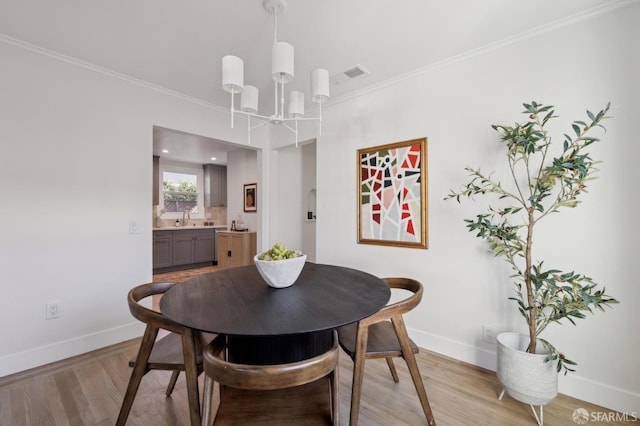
(250, 201)
(392, 194)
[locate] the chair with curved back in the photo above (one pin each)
(296, 390)
(384, 335)
(167, 353)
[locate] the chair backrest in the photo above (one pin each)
(267, 377)
(149, 316)
(400, 307)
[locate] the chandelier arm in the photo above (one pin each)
(301, 119)
(254, 115)
(289, 127)
(260, 125)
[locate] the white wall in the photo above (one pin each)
(75, 167)
(575, 67)
(288, 220)
(242, 168)
(308, 201)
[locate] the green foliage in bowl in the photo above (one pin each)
(278, 252)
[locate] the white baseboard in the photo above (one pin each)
(601, 394)
(35, 357)
(597, 393)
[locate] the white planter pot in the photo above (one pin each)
(525, 376)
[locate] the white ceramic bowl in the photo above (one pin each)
(280, 273)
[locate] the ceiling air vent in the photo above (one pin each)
(349, 74)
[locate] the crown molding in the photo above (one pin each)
(105, 71)
(542, 29)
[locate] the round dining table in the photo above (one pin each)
(266, 325)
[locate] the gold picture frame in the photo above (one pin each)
(392, 194)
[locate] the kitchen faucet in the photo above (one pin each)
(186, 222)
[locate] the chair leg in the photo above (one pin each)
(139, 370)
(191, 373)
(172, 382)
(410, 359)
(358, 374)
(206, 402)
(335, 397)
(392, 369)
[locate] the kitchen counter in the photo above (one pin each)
(182, 228)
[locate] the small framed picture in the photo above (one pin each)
(250, 193)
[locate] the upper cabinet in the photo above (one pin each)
(156, 180)
(215, 185)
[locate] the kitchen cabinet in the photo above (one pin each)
(156, 180)
(193, 247)
(183, 248)
(215, 185)
(204, 247)
(162, 249)
(236, 248)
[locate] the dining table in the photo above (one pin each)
(266, 325)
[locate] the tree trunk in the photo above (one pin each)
(527, 280)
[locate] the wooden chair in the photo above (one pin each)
(173, 352)
(384, 335)
(291, 393)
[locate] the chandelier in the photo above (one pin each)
(281, 73)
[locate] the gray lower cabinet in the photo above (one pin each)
(182, 248)
(204, 247)
(162, 249)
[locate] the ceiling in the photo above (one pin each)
(178, 45)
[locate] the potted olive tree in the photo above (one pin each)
(539, 185)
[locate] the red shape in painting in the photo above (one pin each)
(410, 229)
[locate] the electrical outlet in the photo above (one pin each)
(52, 310)
(488, 333)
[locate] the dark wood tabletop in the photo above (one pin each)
(239, 302)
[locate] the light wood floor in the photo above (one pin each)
(88, 390)
(180, 276)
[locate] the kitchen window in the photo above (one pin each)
(182, 190)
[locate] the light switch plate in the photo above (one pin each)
(133, 227)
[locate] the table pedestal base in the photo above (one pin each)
(271, 350)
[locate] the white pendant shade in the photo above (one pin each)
(296, 104)
(232, 74)
(282, 62)
(319, 85)
(249, 99)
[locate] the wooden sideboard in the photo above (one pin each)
(236, 248)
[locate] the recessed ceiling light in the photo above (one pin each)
(165, 151)
(213, 158)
